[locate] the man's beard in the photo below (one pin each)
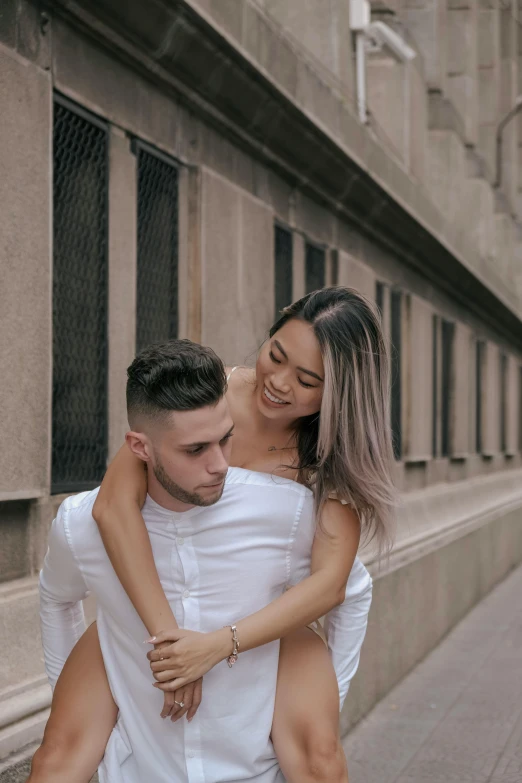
(175, 491)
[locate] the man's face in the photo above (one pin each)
(189, 453)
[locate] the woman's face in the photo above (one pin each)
(290, 373)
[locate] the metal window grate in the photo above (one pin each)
(520, 408)
(435, 386)
(79, 408)
(157, 294)
(283, 253)
(334, 267)
(315, 268)
(447, 339)
(396, 365)
(503, 402)
(479, 372)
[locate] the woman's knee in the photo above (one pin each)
(59, 757)
(319, 757)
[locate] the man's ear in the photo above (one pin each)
(139, 444)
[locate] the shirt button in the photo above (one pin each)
(186, 594)
(181, 541)
(191, 754)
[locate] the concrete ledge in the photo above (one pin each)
(429, 519)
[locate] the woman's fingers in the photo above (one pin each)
(168, 705)
(165, 676)
(179, 699)
(163, 653)
(173, 685)
(161, 666)
(196, 698)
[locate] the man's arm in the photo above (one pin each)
(62, 589)
(345, 627)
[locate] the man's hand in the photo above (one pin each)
(190, 696)
(191, 656)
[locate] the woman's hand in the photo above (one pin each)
(189, 696)
(188, 658)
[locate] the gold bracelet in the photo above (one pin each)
(231, 660)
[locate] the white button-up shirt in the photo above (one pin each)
(217, 564)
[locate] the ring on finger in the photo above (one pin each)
(179, 703)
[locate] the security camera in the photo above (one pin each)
(381, 36)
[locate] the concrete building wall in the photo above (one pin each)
(429, 153)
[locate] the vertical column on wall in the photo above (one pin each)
(26, 278)
(189, 265)
(509, 31)
(298, 268)
(355, 274)
(462, 393)
(462, 47)
(488, 79)
(158, 242)
(512, 406)
(283, 261)
(122, 280)
(418, 387)
(237, 269)
(427, 21)
(490, 405)
(80, 287)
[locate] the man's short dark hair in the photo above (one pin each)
(177, 375)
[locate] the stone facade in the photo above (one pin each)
(255, 106)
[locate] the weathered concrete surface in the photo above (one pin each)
(457, 718)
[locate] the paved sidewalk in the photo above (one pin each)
(457, 718)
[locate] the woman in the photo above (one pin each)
(315, 410)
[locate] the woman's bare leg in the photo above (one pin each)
(82, 717)
(305, 731)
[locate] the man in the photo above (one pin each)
(223, 550)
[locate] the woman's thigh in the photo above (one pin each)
(83, 714)
(305, 730)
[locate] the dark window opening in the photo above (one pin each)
(503, 402)
(396, 391)
(447, 383)
(157, 283)
(315, 268)
(80, 293)
(283, 253)
(480, 352)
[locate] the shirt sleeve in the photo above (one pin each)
(62, 589)
(345, 627)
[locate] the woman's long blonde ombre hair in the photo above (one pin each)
(347, 447)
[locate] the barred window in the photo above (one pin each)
(334, 267)
(447, 380)
(283, 254)
(396, 369)
(520, 408)
(503, 402)
(79, 407)
(435, 386)
(480, 353)
(315, 268)
(157, 286)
